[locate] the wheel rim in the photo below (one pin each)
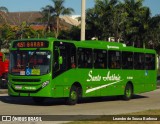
(128, 92)
(73, 95)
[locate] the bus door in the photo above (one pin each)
(64, 57)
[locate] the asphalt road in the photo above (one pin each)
(93, 106)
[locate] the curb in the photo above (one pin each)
(3, 91)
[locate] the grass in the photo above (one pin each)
(100, 120)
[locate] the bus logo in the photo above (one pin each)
(6, 118)
(116, 78)
(109, 77)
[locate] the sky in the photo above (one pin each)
(36, 5)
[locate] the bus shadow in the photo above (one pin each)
(59, 102)
(139, 97)
(29, 101)
(108, 99)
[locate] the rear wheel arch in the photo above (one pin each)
(131, 83)
(128, 91)
(75, 93)
(79, 88)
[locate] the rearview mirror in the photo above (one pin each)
(60, 60)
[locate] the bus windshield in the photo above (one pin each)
(30, 62)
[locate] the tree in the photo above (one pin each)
(93, 22)
(2, 16)
(127, 20)
(3, 20)
(54, 12)
(71, 34)
(101, 18)
(153, 33)
(48, 17)
(135, 23)
(6, 34)
(24, 31)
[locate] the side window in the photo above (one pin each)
(100, 59)
(84, 58)
(127, 60)
(114, 59)
(139, 61)
(72, 61)
(150, 62)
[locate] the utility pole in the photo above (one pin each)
(83, 14)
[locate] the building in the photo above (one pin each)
(33, 19)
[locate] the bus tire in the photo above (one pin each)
(4, 81)
(38, 100)
(73, 96)
(128, 92)
(1, 83)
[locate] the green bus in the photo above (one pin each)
(41, 68)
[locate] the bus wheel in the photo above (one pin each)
(38, 100)
(128, 93)
(73, 96)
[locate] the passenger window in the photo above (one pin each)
(73, 57)
(150, 62)
(114, 59)
(100, 59)
(85, 58)
(139, 61)
(127, 60)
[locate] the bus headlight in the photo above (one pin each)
(45, 84)
(9, 83)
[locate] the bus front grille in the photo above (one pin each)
(26, 80)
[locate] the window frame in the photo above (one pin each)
(85, 63)
(125, 62)
(102, 62)
(116, 63)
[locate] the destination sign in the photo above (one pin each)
(31, 44)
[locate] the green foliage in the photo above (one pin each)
(2, 17)
(51, 15)
(127, 20)
(72, 34)
(6, 34)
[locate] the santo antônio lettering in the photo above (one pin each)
(108, 77)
